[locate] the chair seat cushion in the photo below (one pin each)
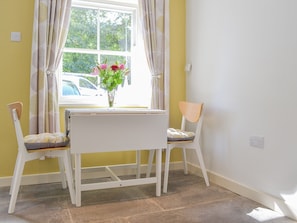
(178, 135)
(46, 140)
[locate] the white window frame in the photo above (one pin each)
(141, 94)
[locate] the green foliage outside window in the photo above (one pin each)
(115, 31)
(115, 35)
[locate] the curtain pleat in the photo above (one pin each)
(155, 22)
(50, 27)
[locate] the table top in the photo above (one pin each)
(94, 111)
(102, 130)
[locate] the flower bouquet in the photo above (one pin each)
(111, 76)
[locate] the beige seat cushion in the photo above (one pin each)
(178, 135)
(46, 140)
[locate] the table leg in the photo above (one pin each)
(78, 179)
(158, 171)
(138, 161)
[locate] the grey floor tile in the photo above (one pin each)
(119, 210)
(188, 200)
(231, 210)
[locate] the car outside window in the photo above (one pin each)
(69, 89)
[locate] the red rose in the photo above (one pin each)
(115, 67)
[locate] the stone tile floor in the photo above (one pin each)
(188, 201)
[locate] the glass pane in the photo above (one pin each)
(69, 89)
(79, 63)
(83, 29)
(111, 59)
(115, 31)
(80, 85)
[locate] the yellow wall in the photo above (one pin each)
(17, 16)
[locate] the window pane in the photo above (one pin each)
(115, 31)
(69, 89)
(79, 63)
(83, 29)
(114, 58)
(97, 34)
(85, 85)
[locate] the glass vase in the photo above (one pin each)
(111, 95)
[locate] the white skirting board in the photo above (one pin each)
(272, 202)
(267, 200)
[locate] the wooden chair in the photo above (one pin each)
(37, 151)
(185, 139)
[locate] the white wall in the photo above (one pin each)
(244, 67)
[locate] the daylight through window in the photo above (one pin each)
(100, 32)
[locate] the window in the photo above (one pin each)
(99, 31)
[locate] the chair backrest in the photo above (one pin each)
(192, 112)
(16, 109)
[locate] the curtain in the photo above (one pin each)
(50, 27)
(154, 17)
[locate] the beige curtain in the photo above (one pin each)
(51, 21)
(154, 17)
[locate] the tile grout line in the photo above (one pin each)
(70, 216)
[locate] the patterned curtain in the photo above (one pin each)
(154, 17)
(51, 21)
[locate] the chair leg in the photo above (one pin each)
(16, 183)
(150, 162)
(166, 170)
(17, 163)
(69, 175)
(202, 165)
(185, 161)
(62, 172)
